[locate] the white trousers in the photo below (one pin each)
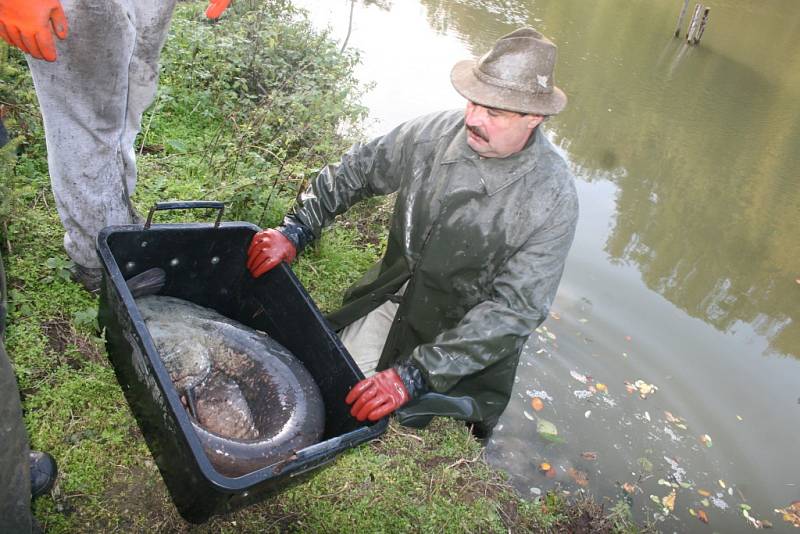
(365, 338)
(92, 100)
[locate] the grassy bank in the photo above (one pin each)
(248, 109)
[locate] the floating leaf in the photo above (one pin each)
(587, 413)
(705, 439)
(537, 404)
(669, 501)
(655, 499)
(601, 387)
(677, 421)
(579, 377)
(544, 426)
(551, 473)
(702, 516)
(580, 477)
(722, 484)
(645, 464)
(791, 514)
(629, 488)
(705, 503)
(544, 466)
(528, 416)
(588, 455)
(704, 493)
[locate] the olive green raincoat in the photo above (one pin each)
(482, 243)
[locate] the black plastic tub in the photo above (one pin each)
(205, 264)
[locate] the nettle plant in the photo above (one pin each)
(283, 96)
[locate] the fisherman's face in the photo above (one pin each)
(497, 133)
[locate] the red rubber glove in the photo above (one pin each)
(216, 7)
(29, 25)
(267, 249)
(377, 396)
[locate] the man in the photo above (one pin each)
(485, 214)
(95, 68)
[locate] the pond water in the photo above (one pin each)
(685, 271)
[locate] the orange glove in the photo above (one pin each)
(377, 396)
(267, 249)
(216, 7)
(28, 25)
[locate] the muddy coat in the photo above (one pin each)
(482, 243)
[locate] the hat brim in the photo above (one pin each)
(474, 90)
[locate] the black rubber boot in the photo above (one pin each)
(88, 277)
(43, 473)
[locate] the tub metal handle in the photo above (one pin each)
(186, 205)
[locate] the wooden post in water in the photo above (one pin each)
(702, 27)
(680, 18)
(694, 23)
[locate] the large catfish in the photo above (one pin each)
(250, 401)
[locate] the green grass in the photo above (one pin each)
(234, 142)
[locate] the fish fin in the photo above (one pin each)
(149, 282)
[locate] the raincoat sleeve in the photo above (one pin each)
(520, 298)
(365, 170)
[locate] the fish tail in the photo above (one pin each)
(149, 282)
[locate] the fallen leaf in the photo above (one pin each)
(644, 388)
(537, 404)
(544, 466)
(702, 516)
(629, 488)
(791, 514)
(601, 387)
(669, 501)
(579, 377)
(705, 439)
(579, 477)
(544, 426)
(675, 420)
(588, 455)
(704, 493)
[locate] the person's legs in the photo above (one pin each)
(92, 99)
(152, 20)
(364, 339)
(83, 97)
(15, 482)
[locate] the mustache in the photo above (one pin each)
(477, 132)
